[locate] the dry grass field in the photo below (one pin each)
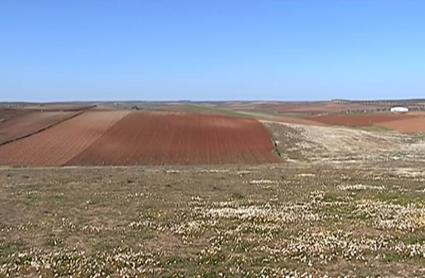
(342, 202)
(263, 221)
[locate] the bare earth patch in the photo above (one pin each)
(58, 144)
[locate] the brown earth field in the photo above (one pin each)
(323, 107)
(360, 120)
(405, 123)
(307, 109)
(7, 114)
(302, 108)
(164, 138)
(58, 144)
(23, 123)
(411, 125)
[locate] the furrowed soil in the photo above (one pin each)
(172, 138)
(60, 143)
(27, 123)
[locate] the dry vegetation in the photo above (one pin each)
(323, 144)
(259, 221)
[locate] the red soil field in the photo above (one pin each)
(58, 144)
(25, 123)
(358, 120)
(411, 125)
(156, 139)
(313, 108)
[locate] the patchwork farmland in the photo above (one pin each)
(211, 190)
(140, 138)
(359, 114)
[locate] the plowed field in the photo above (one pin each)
(411, 125)
(154, 138)
(60, 143)
(28, 123)
(359, 120)
(9, 113)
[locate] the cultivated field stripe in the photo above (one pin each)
(58, 144)
(160, 139)
(27, 133)
(98, 139)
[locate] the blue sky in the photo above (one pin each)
(211, 50)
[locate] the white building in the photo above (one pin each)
(399, 109)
